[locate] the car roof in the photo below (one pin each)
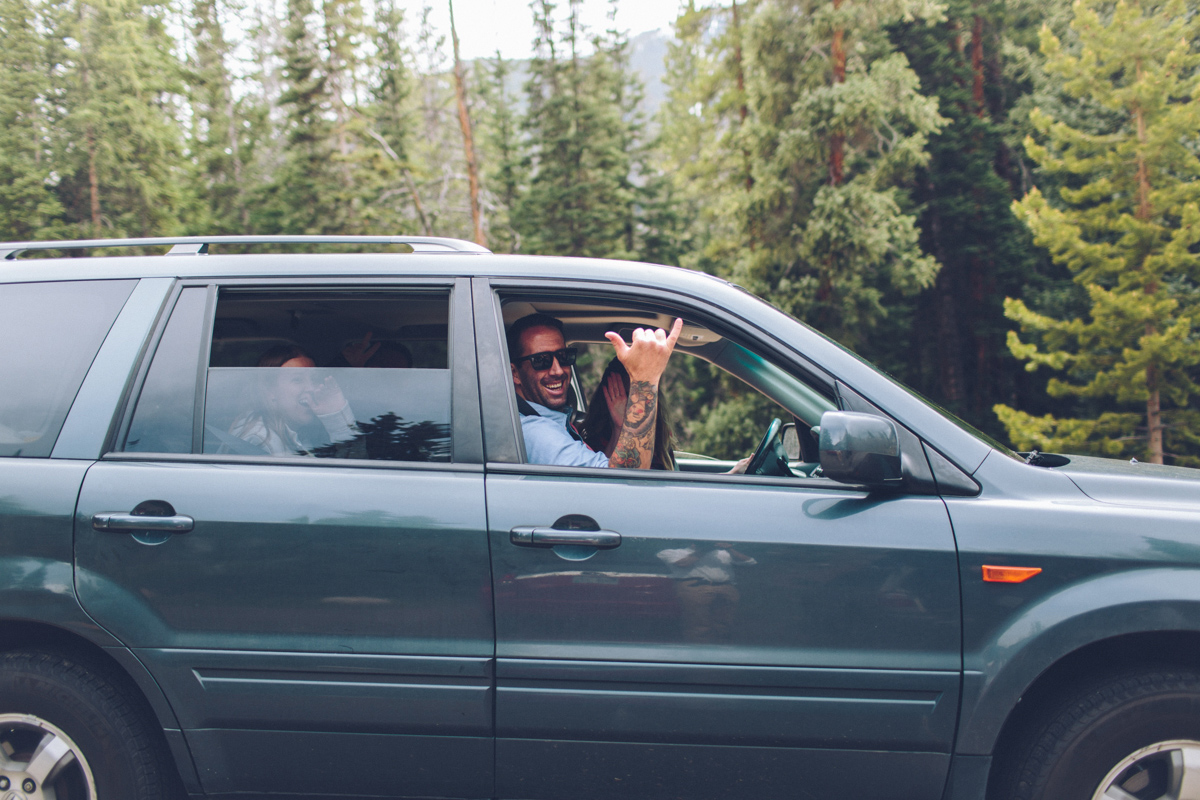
(353, 265)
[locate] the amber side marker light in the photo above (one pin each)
(1008, 574)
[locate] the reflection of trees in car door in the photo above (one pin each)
(800, 623)
(704, 574)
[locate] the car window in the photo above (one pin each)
(307, 374)
(50, 334)
(719, 394)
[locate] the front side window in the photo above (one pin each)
(716, 399)
(322, 374)
(49, 334)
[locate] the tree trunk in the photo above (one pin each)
(837, 141)
(464, 122)
(1154, 429)
(1154, 411)
(93, 181)
(977, 65)
(743, 108)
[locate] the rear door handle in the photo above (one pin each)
(122, 522)
(529, 536)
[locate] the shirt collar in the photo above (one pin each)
(543, 411)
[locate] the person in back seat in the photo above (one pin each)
(541, 369)
(290, 399)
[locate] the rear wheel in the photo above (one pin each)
(67, 733)
(1133, 737)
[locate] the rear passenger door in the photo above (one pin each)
(307, 579)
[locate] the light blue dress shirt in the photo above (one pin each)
(547, 441)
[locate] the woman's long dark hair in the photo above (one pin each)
(597, 426)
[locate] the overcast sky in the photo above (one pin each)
(485, 26)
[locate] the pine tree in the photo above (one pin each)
(504, 177)
(303, 196)
(217, 137)
(1127, 227)
(28, 207)
(704, 135)
(952, 341)
(579, 196)
(119, 142)
(389, 117)
(838, 122)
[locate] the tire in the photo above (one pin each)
(1133, 737)
(74, 730)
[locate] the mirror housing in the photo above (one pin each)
(860, 448)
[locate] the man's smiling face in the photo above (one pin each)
(547, 387)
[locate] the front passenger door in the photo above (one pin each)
(746, 637)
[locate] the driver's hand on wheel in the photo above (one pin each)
(739, 467)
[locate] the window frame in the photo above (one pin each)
(466, 446)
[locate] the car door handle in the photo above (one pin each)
(123, 522)
(529, 536)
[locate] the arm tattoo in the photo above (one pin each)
(635, 445)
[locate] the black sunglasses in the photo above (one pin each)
(541, 361)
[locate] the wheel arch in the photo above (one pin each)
(1088, 666)
(1138, 618)
(116, 664)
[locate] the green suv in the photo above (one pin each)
(223, 579)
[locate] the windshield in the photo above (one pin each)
(966, 426)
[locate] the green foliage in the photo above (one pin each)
(28, 207)
(118, 143)
(951, 346)
(218, 142)
(591, 190)
(1127, 230)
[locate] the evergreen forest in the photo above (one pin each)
(996, 201)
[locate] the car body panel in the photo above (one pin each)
(307, 563)
(1108, 570)
(841, 633)
(328, 629)
(37, 505)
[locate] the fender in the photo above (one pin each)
(1135, 602)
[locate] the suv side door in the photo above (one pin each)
(831, 667)
(321, 626)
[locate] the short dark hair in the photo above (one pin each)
(525, 323)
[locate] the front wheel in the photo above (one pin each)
(1135, 737)
(66, 733)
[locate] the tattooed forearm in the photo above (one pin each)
(635, 445)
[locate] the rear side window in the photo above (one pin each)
(49, 334)
(303, 374)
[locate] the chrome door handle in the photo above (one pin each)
(529, 536)
(123, 522)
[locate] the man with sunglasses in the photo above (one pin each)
(541, 369)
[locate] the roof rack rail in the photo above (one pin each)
(198, 245)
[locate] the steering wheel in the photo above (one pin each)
(769, 458)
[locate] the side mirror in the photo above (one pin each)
(791, 442)
(860, 448)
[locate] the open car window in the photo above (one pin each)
(719, 393)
